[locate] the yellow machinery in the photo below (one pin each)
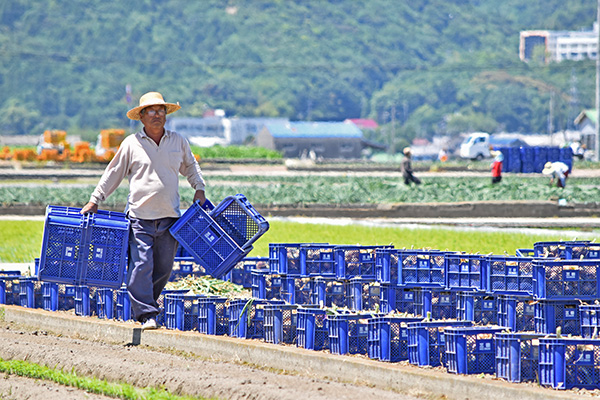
(108, 143)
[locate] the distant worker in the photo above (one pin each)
(558, 172)
(443, 155)
(497, 166)
(407, 171)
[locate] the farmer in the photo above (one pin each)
(407, 171)
(151, 159)
(558, 171)
(496, 166)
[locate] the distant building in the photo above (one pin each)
(362, 123)
(586, 123)
(218, 129)
(313, 139)
(560, 45)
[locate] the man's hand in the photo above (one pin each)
(199, 195)
(89, 208)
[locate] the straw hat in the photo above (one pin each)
(151, 99)
(548, 169)
(406, 150)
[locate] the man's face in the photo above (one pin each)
(154, 117)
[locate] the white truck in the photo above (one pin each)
(476, 146)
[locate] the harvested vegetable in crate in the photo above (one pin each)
(208, 285)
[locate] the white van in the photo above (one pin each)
(476, 146)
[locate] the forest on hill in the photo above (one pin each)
(426, 66)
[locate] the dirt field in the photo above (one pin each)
(142, 367)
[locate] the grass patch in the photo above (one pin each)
(90, 385)
(20, 241)
(496, 242)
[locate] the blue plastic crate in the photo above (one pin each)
(236, 216)
(511, 275)
(186, 266)
(440, 303)
(567, 363)
(30, 293)
(85, 300)
(241, 274)
(10, 291)
(589, 317)
(427, 341)
(540, 158)
(246, 318)
(317, 260)
(280, 323)
(161, 302)
(397, 299)
(386, 265)
(312, 328)
(213, 315)
(105, 303)
(207, 242)
(364, 294)
(284, 258)
(422, 268)
(356, 261)
(471, 350)
(516, 313)
(481, 308)
(348, 333)
(388, 338)
(517, 356)
(551, 314)
(123, 309)
(467, 272)
(265, 286)
(561, 249)
(57, 296)
(329, 292)
(182, 311)
(566, 279)
(88, 249)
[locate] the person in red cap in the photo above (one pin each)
(152, 160)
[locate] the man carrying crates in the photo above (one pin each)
(152, 160)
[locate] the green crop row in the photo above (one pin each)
(331, 190)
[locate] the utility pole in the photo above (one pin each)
(597, 144)
(393, 131)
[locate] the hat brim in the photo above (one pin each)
(547, 171)
(134, 113)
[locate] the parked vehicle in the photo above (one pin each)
(476, 146)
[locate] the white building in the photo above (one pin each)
(560, 45)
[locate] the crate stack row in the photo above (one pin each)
(530, 159)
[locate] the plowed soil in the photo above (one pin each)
(142, 366)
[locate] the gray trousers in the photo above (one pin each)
(152, 250)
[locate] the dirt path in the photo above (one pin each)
(142, 366)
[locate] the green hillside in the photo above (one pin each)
(427, 66)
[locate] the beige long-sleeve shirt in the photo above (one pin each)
(153, 173)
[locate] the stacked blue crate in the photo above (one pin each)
(540, 158)
(517, 356)
(213, 315)
(312, 328)
(566, 363)
(280, 323)
(88, 249)
(471, 350)
(466, 272)
(479, 307)
(388, 338)
(566, 156)
(348, 333)
(516, 313)
(527, 159)
(427, 341)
